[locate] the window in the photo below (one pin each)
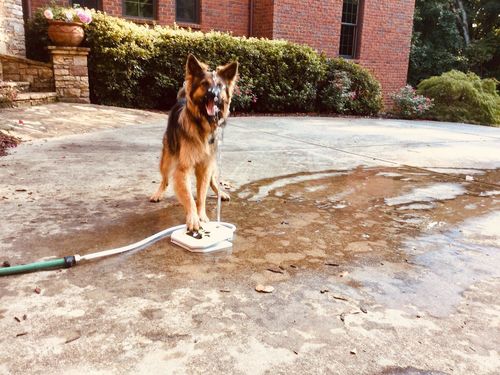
(187, 11)
(91, 4)
(349, 28)
(139, 8)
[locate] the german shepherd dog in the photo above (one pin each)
(189, 141)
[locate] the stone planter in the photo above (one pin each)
(66, 34)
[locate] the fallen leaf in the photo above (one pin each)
(38, 290)
(339, 297)
(264, 288)
(73, 338)
(332, 264)
(274, 269)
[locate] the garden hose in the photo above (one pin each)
(72, 260)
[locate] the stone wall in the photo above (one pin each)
(12, 28)
(20, 69)
(71, 73)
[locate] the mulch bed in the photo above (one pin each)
(7, 141)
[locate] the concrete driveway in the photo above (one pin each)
(380, 237)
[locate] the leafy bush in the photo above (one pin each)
(141, 66)
(462, 97)
(8, 95)
(349, 88)
(408, 104)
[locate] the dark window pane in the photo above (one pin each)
(139, 8)
(349, 28)
(131, 9)
(347, 36)
(350, 11)
(86, 3)
(146, 8)
(187, 11)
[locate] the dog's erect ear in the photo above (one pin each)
(193, 66)
(228, 72)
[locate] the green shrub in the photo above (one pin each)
(349, 88)
(462, 97)
(141, 66)
(409, 105)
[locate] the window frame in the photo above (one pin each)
(197, 20)
(356, 26)
(153, 17)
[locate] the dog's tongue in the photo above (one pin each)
(211, 108)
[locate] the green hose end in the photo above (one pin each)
(23, 268)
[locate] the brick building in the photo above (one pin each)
(374, 33)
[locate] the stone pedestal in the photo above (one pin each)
(71, 74)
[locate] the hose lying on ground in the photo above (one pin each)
(71, 260)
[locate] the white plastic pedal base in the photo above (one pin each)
(212, 236)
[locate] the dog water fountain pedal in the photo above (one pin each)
(214, 235)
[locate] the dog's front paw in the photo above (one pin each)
(156, 197)
(225, 196)
(193, 222)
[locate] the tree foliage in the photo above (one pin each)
(455, 34)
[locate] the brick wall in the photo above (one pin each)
(225, 15)
(385, 27)
(263, 18)
(312, 22)
(385, 42)
(12, 28)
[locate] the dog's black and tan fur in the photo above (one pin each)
(188, 143)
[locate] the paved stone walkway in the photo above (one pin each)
(380, 238)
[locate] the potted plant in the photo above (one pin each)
(65, 25)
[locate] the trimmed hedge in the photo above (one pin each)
(462, 97)
(138, 66)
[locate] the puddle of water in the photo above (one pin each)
(436, 192)
(302, 229)
(264, 190)
(446, 264)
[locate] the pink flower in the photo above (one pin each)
(48, 14)
(84, 16)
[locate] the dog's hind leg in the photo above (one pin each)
(165, 165)
(204, 173)
(213, 184)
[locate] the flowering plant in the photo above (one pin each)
(408, 104)
(339, 93)
(76, 14)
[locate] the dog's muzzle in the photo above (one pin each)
(212, 99)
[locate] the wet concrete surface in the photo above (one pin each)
(379, 267)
